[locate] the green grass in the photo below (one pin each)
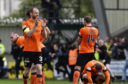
(3, 81)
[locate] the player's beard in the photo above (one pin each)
(35, 17)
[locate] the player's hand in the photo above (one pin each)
(36, 23)
(44, 22)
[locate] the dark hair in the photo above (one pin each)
(98, 66)
(88, 19)
(57, 43)
(30, 11)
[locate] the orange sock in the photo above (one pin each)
(43, 78)
(25, 80)
(76, 76)
(33, 78)
(39, 79)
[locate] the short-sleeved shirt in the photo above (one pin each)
(20, 41)
(89, 67)
(88, 36)
(32, 44)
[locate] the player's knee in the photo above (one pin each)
(76, 73)
(39, 68)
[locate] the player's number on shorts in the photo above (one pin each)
(40, 58)
(91, 38)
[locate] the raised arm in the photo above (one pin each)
(44, 34)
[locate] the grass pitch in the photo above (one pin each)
(5, 81)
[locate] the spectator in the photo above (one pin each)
(108, 44)
(126, 64)
(56, 54)
(73, 53)
(104, 56)
(121, 46)
(3, 62)
(2, 48)
(59, 61)
(118, 49)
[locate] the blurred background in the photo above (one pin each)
(65, 18)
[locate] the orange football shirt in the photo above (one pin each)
(89, 67)
(20, 41)
(88, 36)
(90, 70)
(32, 43)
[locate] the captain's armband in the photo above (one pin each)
(26, 30)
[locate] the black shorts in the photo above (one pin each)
(83, 59)
(32, 57)
(44, 52)
(45, 55)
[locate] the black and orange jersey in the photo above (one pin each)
(88, 36)
(32, 43)
(90, 67)
(20, 41)
(90, 70)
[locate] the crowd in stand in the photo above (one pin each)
(116, 46)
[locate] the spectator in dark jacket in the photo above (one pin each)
(59, 60)
(104, 56)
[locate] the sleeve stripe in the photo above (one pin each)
(26, 29)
